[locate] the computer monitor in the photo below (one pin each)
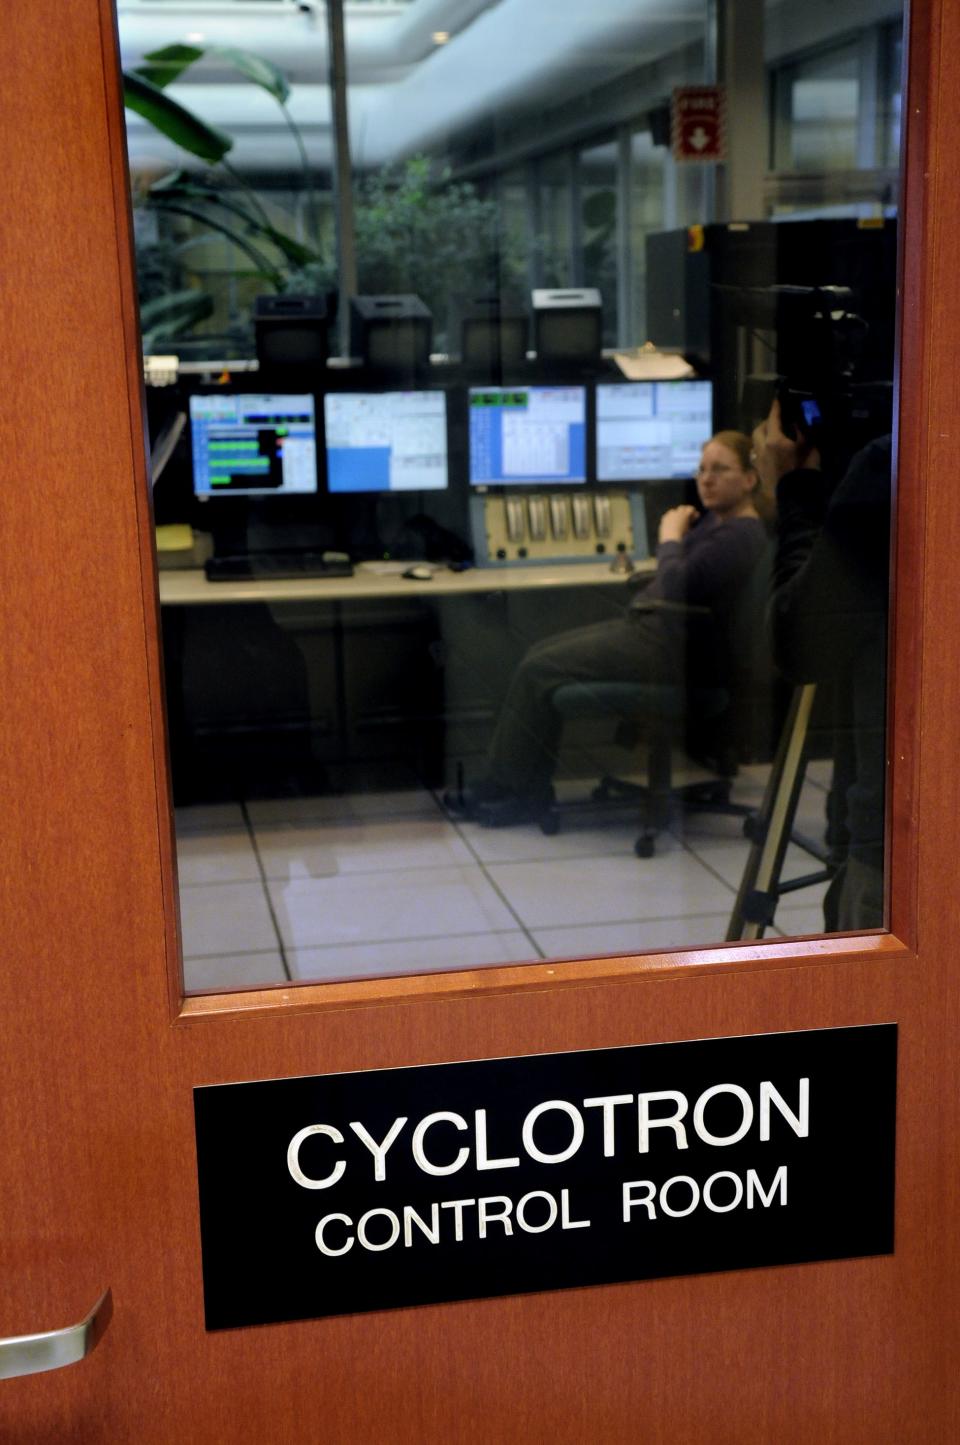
(567, 324)
(253, 444)
(651, 430)
(290, 331)
(386, 441)
(529, 435)
(391, 333)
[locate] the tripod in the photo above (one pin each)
(771, 829)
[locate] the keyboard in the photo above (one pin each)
(277, 566)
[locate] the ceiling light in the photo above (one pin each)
(195, 37)
(440, 37)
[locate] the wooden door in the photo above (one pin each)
(101, 1052)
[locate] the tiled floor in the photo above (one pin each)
(368, 883)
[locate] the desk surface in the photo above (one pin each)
(190, 588)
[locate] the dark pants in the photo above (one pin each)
(523, 750)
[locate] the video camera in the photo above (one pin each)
(829, 374)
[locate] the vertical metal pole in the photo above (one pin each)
(532, 226)
(576, 220)
(740, 67)
(627, 306)
(573, 217)
(342, 181)
(712, 192)
(869, 108)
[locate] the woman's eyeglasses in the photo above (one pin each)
(719, 469)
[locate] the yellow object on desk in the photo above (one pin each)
(175, 537)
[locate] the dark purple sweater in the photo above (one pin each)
(712, 563)
(696, 591)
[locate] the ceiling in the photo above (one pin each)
(409, 89)
(424, 73)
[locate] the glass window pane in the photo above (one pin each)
(892, 98)
(554, 244)
(485, 624)
(820, 112)
(647, 213)
(598, 228)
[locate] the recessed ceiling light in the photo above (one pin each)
(440, 37)
(196, 37)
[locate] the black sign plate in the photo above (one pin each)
(368, 1191)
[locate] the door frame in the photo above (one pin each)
(98, 1176)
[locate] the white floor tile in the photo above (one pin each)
(749, 787)
(221, 855)
(794, 922)
(232, 970)
(820, 771)
(811, 815)
(417, 903)
(608, 890)
(418, 955)
(728, 857)
(644, 935)
(575, 840)
(345, 807)
(225, 918)
(209, 815)
(707, 828)
(324, 850)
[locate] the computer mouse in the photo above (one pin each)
(419, 573)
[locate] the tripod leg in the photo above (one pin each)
(757, 895)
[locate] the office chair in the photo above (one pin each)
(661, 712)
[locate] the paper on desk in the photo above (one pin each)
(175, 537)
(652, 365)
(390, 568)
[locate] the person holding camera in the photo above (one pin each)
(828, 621)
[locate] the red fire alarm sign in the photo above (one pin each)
(698, 123)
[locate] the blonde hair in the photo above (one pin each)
(740, 444)
(742, 447)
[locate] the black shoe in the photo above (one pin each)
(492, 805)
(464, 802)
(508, 811)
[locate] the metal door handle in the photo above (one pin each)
(29, 1354)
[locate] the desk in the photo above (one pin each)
(435, 669)
(190, 588)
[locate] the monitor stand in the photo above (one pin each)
(253, 529)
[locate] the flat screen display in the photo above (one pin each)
(258, 444)
(533, 435)
(386, 441)
(652, 430)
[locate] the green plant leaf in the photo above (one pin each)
(173, 314)
(262, 264)
(261, 72)
(165, 66)
(292, 249)
(174, 121)
(168, 64)
(180, 186)
(172, 181)
(599, 209)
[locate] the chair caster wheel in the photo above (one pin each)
(549, 824)
(644, 847)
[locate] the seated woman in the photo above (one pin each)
(673, 630)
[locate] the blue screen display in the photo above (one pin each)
(253, 444)
(532, 435)
(652, 430)
(387, 441)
